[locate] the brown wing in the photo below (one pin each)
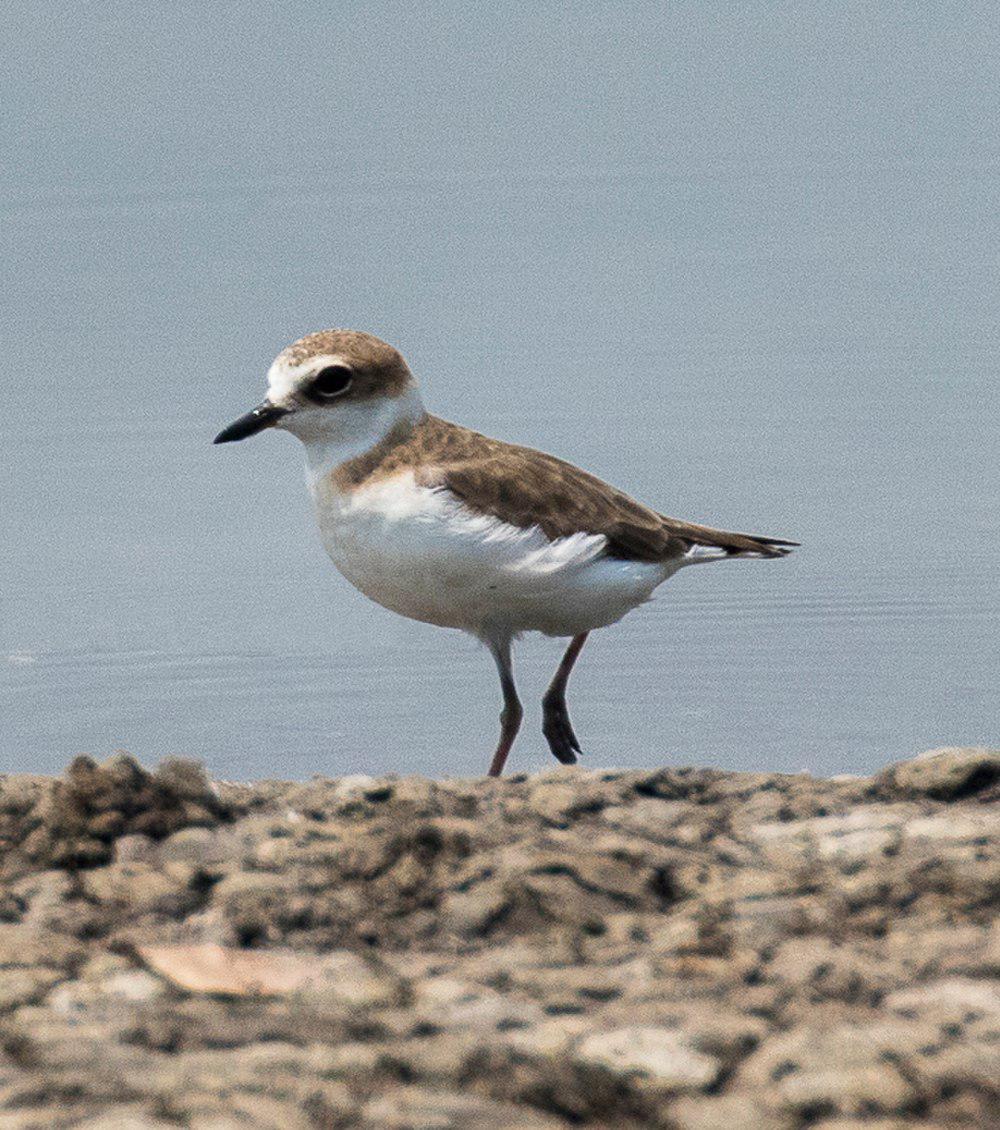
(530, 488)
(527, 488)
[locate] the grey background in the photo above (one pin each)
(741, 260)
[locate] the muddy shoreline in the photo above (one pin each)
(669, 948)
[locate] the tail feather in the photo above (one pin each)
(732, 544)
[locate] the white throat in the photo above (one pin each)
(332, 436)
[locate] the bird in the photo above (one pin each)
(444, 525)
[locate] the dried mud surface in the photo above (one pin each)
(673, 948)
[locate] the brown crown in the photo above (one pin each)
(379, 369)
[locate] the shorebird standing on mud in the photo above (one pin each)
(447, 526)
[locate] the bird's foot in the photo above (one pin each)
(558, 731)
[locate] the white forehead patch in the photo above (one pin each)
(285, 378)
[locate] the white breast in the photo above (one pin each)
(424, 554)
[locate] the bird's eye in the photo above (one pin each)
(331, 381)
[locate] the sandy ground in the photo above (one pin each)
(673, 948)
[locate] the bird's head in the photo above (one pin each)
(327, 385)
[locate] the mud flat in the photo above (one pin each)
(673, 948)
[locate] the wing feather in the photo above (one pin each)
(527, 488)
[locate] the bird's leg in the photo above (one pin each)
(512, 713)
(556, 725)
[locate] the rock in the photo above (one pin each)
(952, 1000)
(137, 889)
(445, 1002)
(949, 773)
(136, 849)
(832, 971)
(957, 1066)
(708, 1025)
(838, 1068)
(196, 845)
(229, 972)
(864, 833)
(954, 829)
(127, 1118)
(105, 983)
(560, 797)
(661, 1055)
(340, 977)
(255, 904)
(407, 1108)
(476, 911)
(29, 945)
(764, 922)
(345, 979)
(549, 1039)
(352, 1060)
(553, 800)
(669, 948)
(905, 1123)
(726, 1112)
(45, 892)
(648, 816)
(25, 985)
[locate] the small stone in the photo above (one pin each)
(969, 827)
(25, 985)
(678, 933)
(342, 977)
(841, 1068)
(138, 889)
(475, 911)
(410, 1108)
(352, 1060)
(126, 1119)
(223, 971)
(664, 1056)
(862, 834)
(275, 854)
(217, 1121)
(724, 1112)
(447, 1003)
(136, 849)
(551, 1037)
(951, 1000)
(345, 979)
(973, 1065)
(558, 801)
(648, 816)
(188, 845)
(132, 985)
(103, 980)
(837, 971)
(29, 945)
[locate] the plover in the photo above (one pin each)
(444, 525)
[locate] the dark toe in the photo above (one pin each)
(562, 740)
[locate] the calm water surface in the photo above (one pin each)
(745, 267)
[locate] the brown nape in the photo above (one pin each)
(379, 369)
(530, 488)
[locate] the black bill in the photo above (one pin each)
(263, 416)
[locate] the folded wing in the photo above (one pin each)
(527, 488)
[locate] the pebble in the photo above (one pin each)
(661, 1055)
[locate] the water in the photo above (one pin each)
(743, 265)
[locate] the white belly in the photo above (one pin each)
(423, 554)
